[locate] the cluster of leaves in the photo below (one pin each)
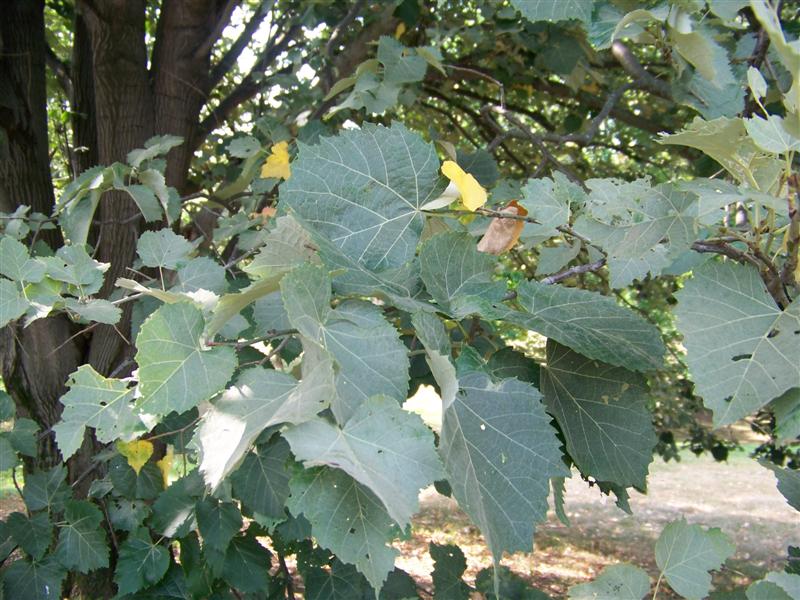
(279, 377)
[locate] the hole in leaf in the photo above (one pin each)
(739, 357)
(773, 333)
(352, 530)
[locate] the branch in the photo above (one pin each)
(223, 19)
(61, 70)
(642, 78)
(247, 88)
(521, 131)
(594, 126)
(792, 244)
(337, 30)
(766, 269)
(228, 59)
(576, 270)
(452, 118)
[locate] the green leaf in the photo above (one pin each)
(741, 348)
(306, 293)
(261, 398)
(480, 164)
(33, 534)
(401, 64)
(340, 582)
(154, 180)
(163, 248)
(24, 437)
(97, 309)
(46, 489)
(127, 515)
(370, 357)
(8, 457)
(686, 553)
(231, 305)
(262, 481)
(145, 199)
(7, 409)
(201, 273)
(510, 585)
(243, 147)
(7, 543)
(173, 511)
(156, 146)
(74, 266)
(399, 286)
(547, 10)
(247, 565)
(726, 141)
(431, 332)
(771, 134)
(175, 371)
(82, 542)
(363, 189)
(16, 263)
(499, 451)
(34, 580)
(786, 409)
(449, 565)
(726, 9)
(555, 258)
(700, 49)
(622, 582)
(12, 304)
(589, 323)
(285, 247)
(788, 582)
(634, 222)
(144, 485)
(602, 412)
(381, 446)
(788, 483)
(94, 401)
(346, 518)
(766, 590)
(218, 522)
(141, 563)
(548, 201)
(452, 269)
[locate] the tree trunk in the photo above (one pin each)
(34, 374)
(181, 63)
(124, 120)
(25, 165)
(84, 128)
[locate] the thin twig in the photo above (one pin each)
(271, 335)
(576, 270)
(288, 576)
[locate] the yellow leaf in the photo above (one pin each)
(472, 194)
(277, 164)
(165, 465)
(401, 29)
(138, 452)
(502, 234)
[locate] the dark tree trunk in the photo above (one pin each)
(25, 165)
(84, 128)
(125, 120)
(32, 373)
(181, 63)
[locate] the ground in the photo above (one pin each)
(738, 496)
